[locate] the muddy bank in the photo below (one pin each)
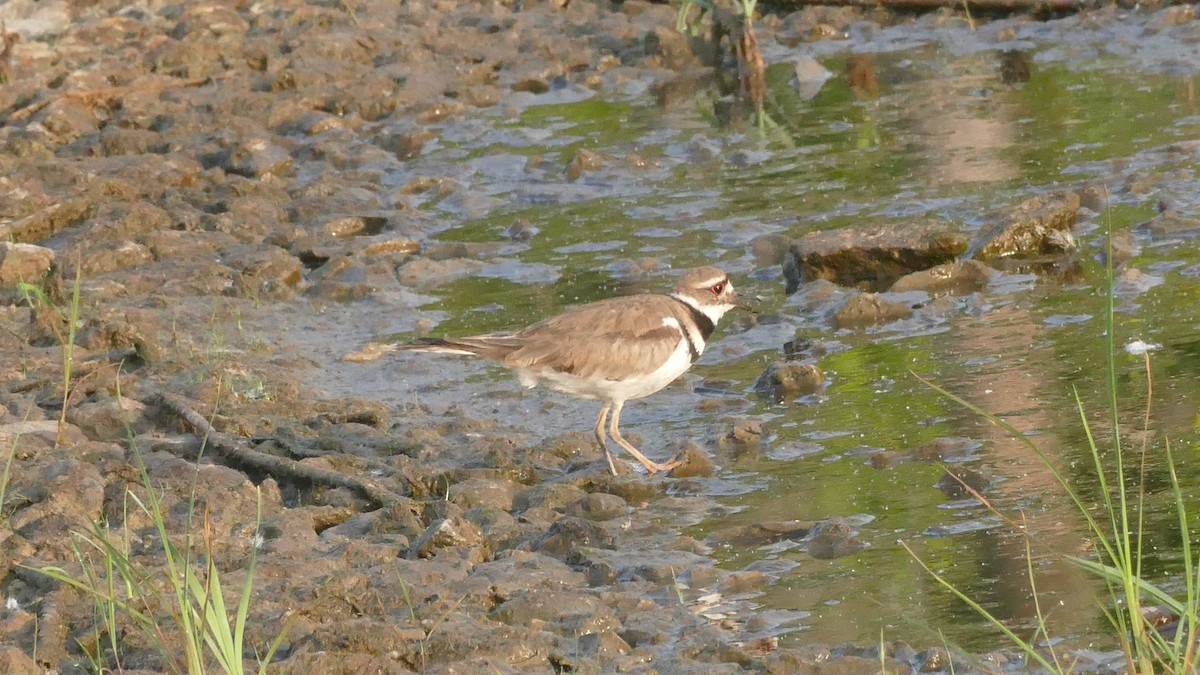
(243, 194)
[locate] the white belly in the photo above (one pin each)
(614, 390)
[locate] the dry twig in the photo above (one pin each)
(232, 450)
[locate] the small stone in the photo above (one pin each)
(790, 380)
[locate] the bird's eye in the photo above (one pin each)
(718, 288)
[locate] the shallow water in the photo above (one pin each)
(680, 184)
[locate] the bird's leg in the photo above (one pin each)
(615, 431)
(600, 436)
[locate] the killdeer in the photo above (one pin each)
(613, 350)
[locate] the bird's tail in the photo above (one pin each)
(494, 347)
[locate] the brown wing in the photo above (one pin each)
(611, 339)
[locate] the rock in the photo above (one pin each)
(1014, 66)
(960, 277)
(484, 492)
(1124, 247)
(423, 274)
(944, 448)
(565, 611)
(569, 535)
(1035, 227)
(15, 662)
(583, 162)
(553, 496)
(24, 263)
(747, 581)
(104, 257)
(869, 309)
(452, 532)
(783, 379)
(111, 420)
(598, 506)
(62, 495)
(264, 273)
(761, 534)
(500, 528)
(406, 145)
(872, 254)
(695, 463)
(604, 645)
(743, 434)
(1094, 198)
(48, 221)
(770, 249)
(67, 119)
(257, 157)
(1170, 224)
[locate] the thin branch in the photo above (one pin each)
(234, 451)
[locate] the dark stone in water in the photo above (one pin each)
(956, 479)
(761, 534)
(833, 538)
(789, 380)
(871, 255)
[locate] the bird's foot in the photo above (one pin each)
(654, 467)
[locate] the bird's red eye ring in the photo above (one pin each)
(718, 288)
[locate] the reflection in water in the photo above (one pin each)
(963, 127)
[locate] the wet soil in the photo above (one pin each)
(216, 179)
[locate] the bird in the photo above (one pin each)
(613, 350)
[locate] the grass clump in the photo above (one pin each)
(182, 609)
(63, 322)
(1117, 532)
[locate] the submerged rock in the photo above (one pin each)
(834, 538)
(869, 309)
(958, 481)
(959, 277)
